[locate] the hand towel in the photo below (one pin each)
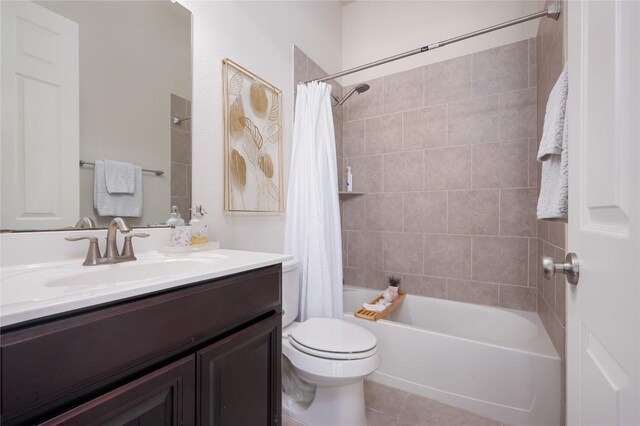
(107, 204)
(120, 177)
(554, 154)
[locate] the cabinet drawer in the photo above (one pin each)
(55, 363)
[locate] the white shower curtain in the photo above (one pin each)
(312, 231)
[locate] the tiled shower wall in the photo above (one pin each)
(551, 235)
(181, 157)
(445, 157)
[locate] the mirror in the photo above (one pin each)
(84, 81)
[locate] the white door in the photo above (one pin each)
(40, 118)
(603, 310)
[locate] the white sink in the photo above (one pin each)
(31, 289)
(60, 286)
(37, 290)
(130, 272)
(64, 280)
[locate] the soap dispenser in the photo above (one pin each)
(175, 219)
(199, 231)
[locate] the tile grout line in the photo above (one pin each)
(424, 86)
(473, 56)
(402, 197)
(471, 166)
(499, 212)
(447, 211)
(529, 263)
(402, 130)
(471, 259)
(347, 254)
(496, 94)
(521, 141)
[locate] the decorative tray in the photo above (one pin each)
(375, 315)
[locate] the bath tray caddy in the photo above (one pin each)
(374, 315)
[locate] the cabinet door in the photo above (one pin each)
(164, 397)
(239, 377)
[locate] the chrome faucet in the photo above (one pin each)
(116, 224)
(111, 254)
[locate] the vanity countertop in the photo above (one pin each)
(29, 292)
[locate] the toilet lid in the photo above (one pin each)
(331, 338)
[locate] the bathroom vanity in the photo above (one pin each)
(178, 353)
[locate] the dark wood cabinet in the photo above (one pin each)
(163, 397)
(205, 353)
(240, 377)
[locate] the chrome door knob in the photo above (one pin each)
(570, 268)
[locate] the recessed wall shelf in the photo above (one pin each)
(349, 194)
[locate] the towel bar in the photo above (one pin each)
(156, 172)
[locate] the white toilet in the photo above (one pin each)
(331, 355)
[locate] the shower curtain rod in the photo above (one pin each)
(553, 12)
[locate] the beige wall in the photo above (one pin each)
(373, 30)
(259, 36)
(448, 172)
(133, 56)
(550, 58)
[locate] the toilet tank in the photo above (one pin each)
(290, 291)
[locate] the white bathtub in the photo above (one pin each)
(498, 363)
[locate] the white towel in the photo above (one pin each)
(106, 204)
(379, 306)
(554, 154)
(374, 308)
(120, 177)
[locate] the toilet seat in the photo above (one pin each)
(330, 338)
(330, 352)
(327, 371)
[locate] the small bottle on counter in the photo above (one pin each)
(349, 180)
(180, 236)
(175, 219)
(180, 233)
(199, 229)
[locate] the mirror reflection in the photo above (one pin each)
(96, 118)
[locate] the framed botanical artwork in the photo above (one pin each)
(252, 142)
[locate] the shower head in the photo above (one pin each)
(360, 88)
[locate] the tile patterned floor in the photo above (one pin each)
(388, 406)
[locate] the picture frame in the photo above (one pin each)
(253, 163)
